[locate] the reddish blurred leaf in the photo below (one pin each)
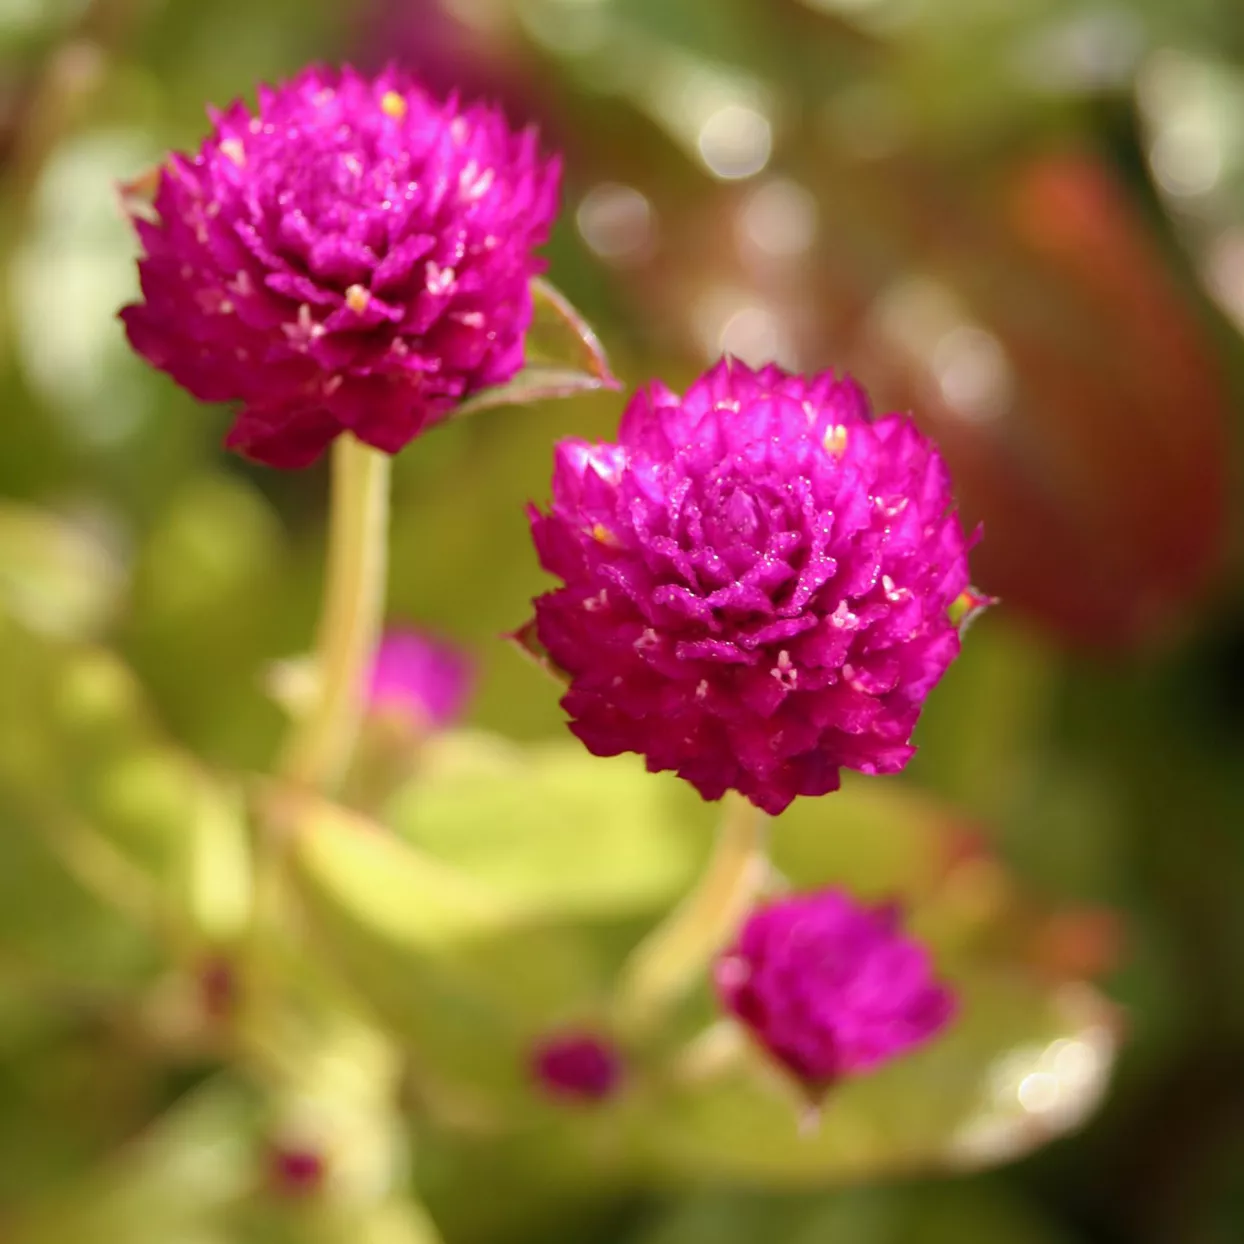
(1101, 483)
(1029, 320)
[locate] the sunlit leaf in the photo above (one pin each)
(218, 873)
(554, 829)
(398, 892)
(456, 968)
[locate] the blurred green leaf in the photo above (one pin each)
(880, 838)
(117, 837)
(457, 969)
(931, 1214)
(167, 1185)
(219, 881)
(1022, 1064)
(59, 876)
(564, 358)
(55, 575)
(216, 550)
(390, 888)
(555, 830)
(392, 1222)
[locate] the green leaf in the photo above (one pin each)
(564, 357)
(458, 970)
(56, 577)
(67, 891)
(1022, 1064)
(196, 633)
(940, 1213)
(555, 830)
(397, 1222)
(115, 831)
(394, 891)
(167, 1185)
(314, 1222)
(527, 643)
(878, 837)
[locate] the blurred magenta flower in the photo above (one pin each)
(577, 1065)
(757, 583)
(353, 256)
(423, 678)
(831, 988)
(481, 55)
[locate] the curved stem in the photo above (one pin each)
(679, 948)
(320, 747)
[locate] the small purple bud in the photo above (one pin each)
(294, 1171)
(420, 677)
(831, 988)
(577, 1066)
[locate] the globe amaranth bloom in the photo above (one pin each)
(352, 256)
(577, 1066)
(830, 988)
(757, 580)
(418, 677)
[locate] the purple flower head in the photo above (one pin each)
(577, 1066)
(352, 256)
(757, 583)
(420, 677)
(830, 988)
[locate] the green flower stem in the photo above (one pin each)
(714, 1052)
(680, 948)
(321, 745)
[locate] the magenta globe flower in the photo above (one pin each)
(830, 988)
(757, 580)
(352, 256)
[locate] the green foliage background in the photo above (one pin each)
(1064, 177)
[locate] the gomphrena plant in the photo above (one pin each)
(759, 582)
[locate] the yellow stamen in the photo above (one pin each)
(392, 104)
(357, 299)
(602, 535)
(836, 440)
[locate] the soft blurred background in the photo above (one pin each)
(1022, 219)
